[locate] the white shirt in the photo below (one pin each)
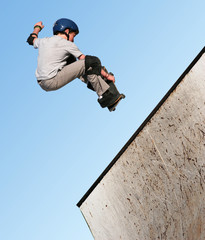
(52, 55)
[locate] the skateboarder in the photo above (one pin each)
(57, 64)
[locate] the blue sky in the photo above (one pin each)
(55, 145)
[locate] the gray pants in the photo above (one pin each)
(71, 72)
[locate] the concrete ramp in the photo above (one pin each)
(154, 187)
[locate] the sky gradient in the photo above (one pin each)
(54, 145)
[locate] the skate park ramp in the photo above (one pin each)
(154, 187)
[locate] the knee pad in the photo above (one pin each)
(92, 65)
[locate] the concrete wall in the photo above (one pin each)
(155, 187)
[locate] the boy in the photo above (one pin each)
(57, 65)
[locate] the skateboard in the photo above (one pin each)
(114, 105)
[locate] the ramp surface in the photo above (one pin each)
(154, 188)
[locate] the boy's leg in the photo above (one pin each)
(113, 94)
(110, 96)
(93, 75)
(66, 75)
(98, 84)
(71, 72)
(91, 68)
(105, 89)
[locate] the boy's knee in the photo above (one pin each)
(92, 65)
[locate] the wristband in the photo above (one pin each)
(37, 26)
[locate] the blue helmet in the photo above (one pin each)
(62, 24)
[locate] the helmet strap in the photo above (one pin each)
(67, 35)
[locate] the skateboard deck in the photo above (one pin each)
(114, 105)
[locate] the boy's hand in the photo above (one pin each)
(105, 74)
(40, 24)
(111, 78)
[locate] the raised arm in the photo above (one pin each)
(34, 35)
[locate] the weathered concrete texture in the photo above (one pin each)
(155, 190)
